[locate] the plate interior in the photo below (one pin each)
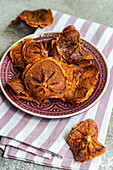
(56, 108)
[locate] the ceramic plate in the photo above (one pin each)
(56, 108)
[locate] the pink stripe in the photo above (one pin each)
(12, 151)
(20, 126)
(63, 150)
(10, 113)
(30, 156)
(12, 157)
(108, 47)
(55, 134)
(2, 98)
(85, 28)
(5, 141)
(67, 162)
(34, 134)
(39, 152)
(37, 131)
(23, 146)
(56, 18)
(104, 102)
(98, 34)
(86, 165)
(71, 21)
(47, 162)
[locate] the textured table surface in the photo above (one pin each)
(100, 11)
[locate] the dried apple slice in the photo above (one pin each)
(17, 86)
(80, 82)
(45, 79)
(89, 77)
(70, 47)
(87, 82)
(32, 50)
(16, 54)
(40, 17)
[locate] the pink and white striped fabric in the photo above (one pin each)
(43, 141)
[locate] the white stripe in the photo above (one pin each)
(38, 159)
(14, 143)
(46, 133)
(47, 155)
(2, 147)
(95, 163)
(28, 129)
(54, 12)
(4, 108)
(79, 23)
(20, 153)
(57, 162)
(74, 165)
(109, 59)
(91, 31)
(105, 38)
(33, 150)
(57, 145)
(12, 123)
(61, 23)
(6, 151)
(38, 30)
(92, 111)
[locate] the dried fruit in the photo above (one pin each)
(40, 17)
(70, 47)
(17, 55)
(50, 71)
(16, 84)
(80, 82)
(45, 79)
(33, 50)
(82, 140)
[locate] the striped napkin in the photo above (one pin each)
(43, 141)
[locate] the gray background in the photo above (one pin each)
(100, 11)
